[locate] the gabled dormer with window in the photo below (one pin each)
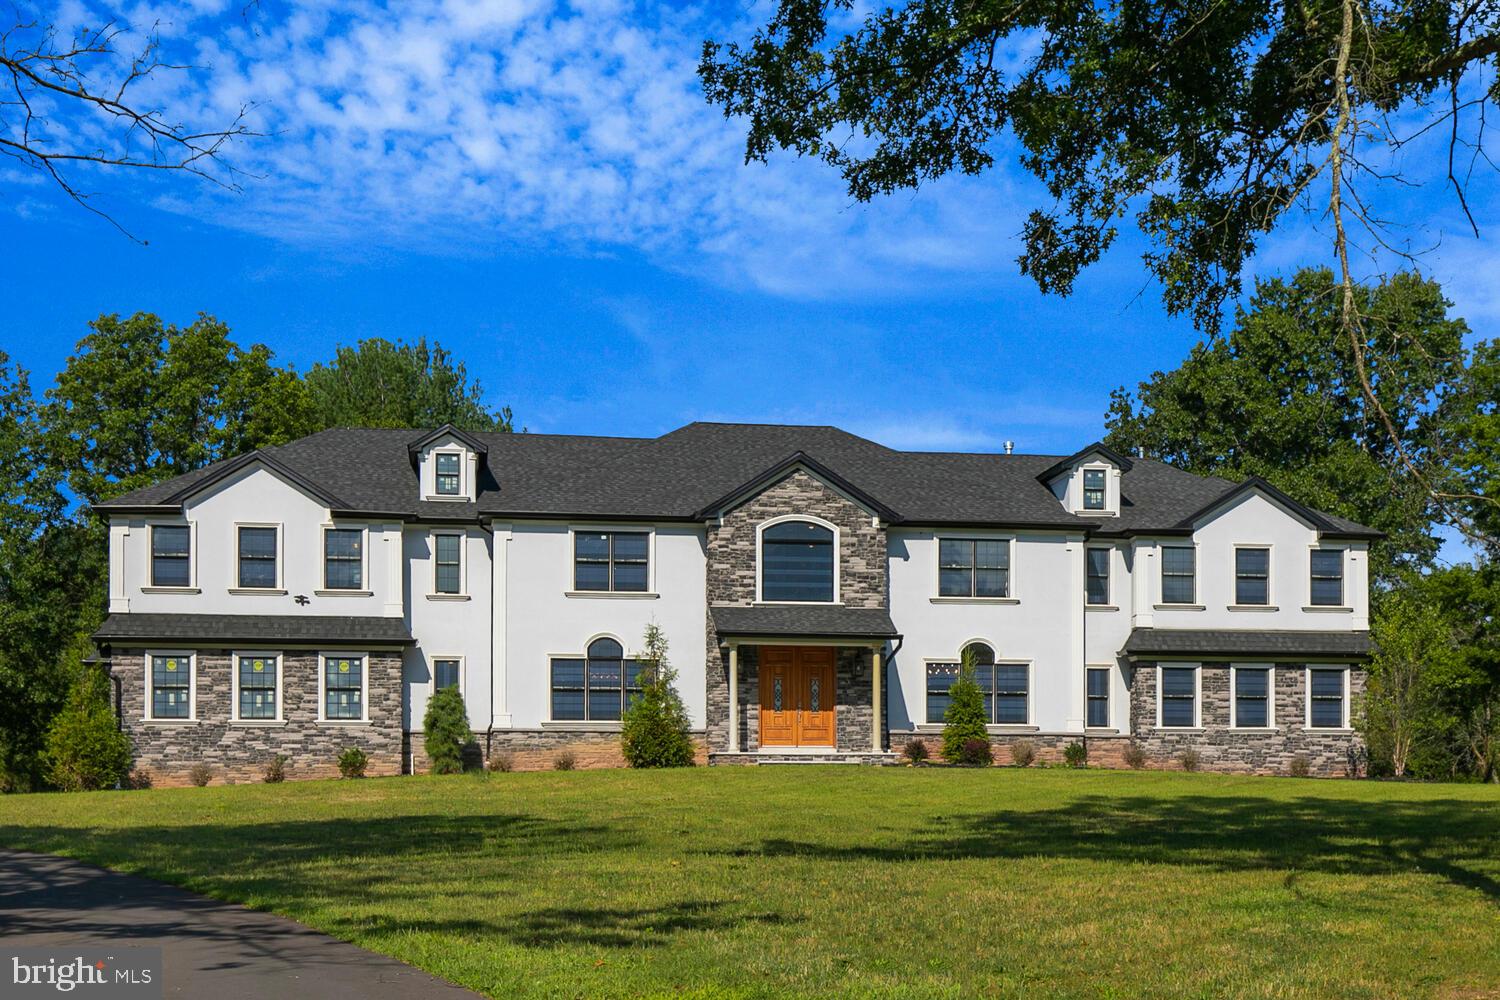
(1088, 483)
(448, 462)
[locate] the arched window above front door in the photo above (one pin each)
(797, 562)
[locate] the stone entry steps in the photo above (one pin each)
(802, 757)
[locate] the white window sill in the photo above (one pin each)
(1251, 607)
(1000, 730)
(448, 597)
(257, 592)
(171, 590)
(1179, 607)
(582, 726)
(343, 593)
(1181, 729)
(1097, 513)
(343, 723)
(1255, 729)
(798, 604)
(170, 723)
(256, 723)
(614, 595)
(1100, 731)
(1101, 607)
(1328, 609)
(1340, 731)
(448, 498)
(975, 600)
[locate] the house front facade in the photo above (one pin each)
(818, 592)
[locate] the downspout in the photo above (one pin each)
(489, 732)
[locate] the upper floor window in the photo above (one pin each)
(973, 567)
(1328, 701)
(343, 558)
(447, 561)
(611, 560)
(257, 558)
(1178, 574)
(1252, 576)
(171, 555)
(797, 562)
(171, 677)
(597, 687)
(1093, 489)
(447, 473)
(1327, 578)
(1098, 575)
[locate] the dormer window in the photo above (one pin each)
(447, 473)
(1093, 489)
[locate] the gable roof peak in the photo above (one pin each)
(1122, 462)
(447, 430)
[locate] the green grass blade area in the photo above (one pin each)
(844, 881)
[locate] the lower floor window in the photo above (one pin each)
(1098, 697)
(1327, 698)
(343, 687)
(257, 679)
(1179, 697)
(171, 687)
(1005, 688)
(1252, 697)
(596, 687)
(444, 674)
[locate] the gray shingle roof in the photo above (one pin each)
(810, 621)
(679, 474)
(342, 629)
(1148, 642)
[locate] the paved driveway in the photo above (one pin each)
(210, 949)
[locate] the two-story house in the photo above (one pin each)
(818, 591)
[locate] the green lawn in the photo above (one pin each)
(845, 881)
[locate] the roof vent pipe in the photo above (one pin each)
(1140, 451)
(1010, 446)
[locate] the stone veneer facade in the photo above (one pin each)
(732, 567)
(167, 750)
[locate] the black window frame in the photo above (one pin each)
(330, 671)
(603, 656)
(950, 569)
(1096, 699)
(1265, 700)
(456, 564)
(1314, 699)
(612, 561)
(183, 685)
(268, 680)
(357, 560)
(1092, 595)
(1094, 496)
(823, 538)
(1177, 698)
(173, 557)
(257, 558)
(1313, 576)
(438, 663)
(456, 476)
(1249, 577)
(1191, 575)
(996, 679)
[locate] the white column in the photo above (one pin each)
(499, 677)
(1078, 673)
(875, 702)
(395, 570)
(119, 537)
(734, 698)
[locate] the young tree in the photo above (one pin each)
(654, 731)
(965, 719)
(445, 731)
(85, 748)
(1413, 643)
(380, 384)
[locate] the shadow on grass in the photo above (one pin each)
(1452, 839)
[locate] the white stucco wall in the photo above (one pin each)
(542, 617)
(446, 627)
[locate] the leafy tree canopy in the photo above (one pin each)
(1272, 399)
(382, 384)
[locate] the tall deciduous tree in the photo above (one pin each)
(378, 383)
(1415, 647)
(1271, 399)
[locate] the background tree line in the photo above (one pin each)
(140, 401)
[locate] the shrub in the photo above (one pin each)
(1190, 760)
(276, 770)
(352, 762)
(1134, 756)
(1299, 767)
(915, 752)
(965, 719)
(654, 731)
(1023, 753)
(200, 774)
(139, 779)
(976, 753)
(564, 761)
(1076, 754)
(84, 746)
(503, 763)
(445, 731)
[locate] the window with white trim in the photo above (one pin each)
(445, 673)
(447, 475)
(1093, 489)
(343, 558)
(256, 683)
(1328, 698)
(1179, 697)
(343, 687)
(1179, 577)
(171, 686)
(1005, 687)
(595, 687)
(447, 563)
(1252, 697)
(973, 567)
(257, 557)
(1098, 697)
(1326, 585)
(171, 555)
(1252, 576)
(1097, 566)
(611, 561)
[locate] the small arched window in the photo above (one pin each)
(796, 562)
(983, 655)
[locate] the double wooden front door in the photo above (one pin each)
(797, 696)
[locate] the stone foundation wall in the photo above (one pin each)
(538, 749)
(1103, 751)
(235, 752)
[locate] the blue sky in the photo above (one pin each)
(541, 188)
